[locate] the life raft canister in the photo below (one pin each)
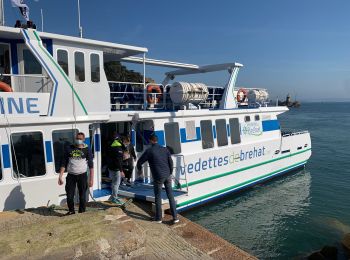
(5, 87)
(242, 94)
(151, 89)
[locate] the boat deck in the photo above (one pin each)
(142, 192)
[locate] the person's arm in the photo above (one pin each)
(63, 166)
(90, 161)
(132, 152)
(142, 160)
(171, 163)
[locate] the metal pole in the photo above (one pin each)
(2, 13)
(80, 28)
(42, 19)
(144, 83)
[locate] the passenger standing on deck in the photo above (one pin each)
(115, 166)
(129, 157)
(77, 159)
(161, 164)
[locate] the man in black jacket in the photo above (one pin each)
(161, 164)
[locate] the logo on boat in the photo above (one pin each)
(252, 128)
(219, 161)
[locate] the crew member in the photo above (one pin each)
(161, 164)
(77, 159)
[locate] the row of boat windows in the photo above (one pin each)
(27, 151)
(173, 138)
(79, 60)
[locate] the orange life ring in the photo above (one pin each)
(5, 87)
(154, 89)
(242, 94)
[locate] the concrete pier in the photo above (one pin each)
(107, 233)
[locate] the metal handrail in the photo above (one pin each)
(24, 76)
(142, 92)
(184, 167)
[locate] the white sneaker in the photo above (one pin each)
(176, 220)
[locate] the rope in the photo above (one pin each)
(17, 174)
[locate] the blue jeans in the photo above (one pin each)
(115, 175)
(157, 186)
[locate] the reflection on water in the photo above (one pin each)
(255, 220)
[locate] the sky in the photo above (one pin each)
(301, 47)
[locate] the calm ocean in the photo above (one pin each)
(296, 214)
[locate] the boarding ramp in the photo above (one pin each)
(138, 191)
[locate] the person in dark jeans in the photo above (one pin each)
(77, 159)
(129, 156)
(161, 164)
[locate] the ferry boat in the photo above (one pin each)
(222, 139)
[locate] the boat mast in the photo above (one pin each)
(80, 27)
(2, 13)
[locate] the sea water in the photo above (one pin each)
(296, 214)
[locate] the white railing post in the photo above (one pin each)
(144, 83)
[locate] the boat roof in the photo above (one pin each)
(120, 50)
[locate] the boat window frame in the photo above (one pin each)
(246, 118)
(219, 136)
(191, 124)
(99, 66)
(232, 132)
(137, 139)
(75, 74)
(212, 134)
(257, 117)
(68, 63)
(12, 163)
(53, 151)
(10, 59)
(177, 138)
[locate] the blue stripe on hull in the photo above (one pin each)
(270, 125)
(204, 201)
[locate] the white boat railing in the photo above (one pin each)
(121, 93)
(135, 95)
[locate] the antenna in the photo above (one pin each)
(42, 19)
(80, 27)
(2, 13)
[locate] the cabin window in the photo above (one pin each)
(257, 117)
(31, 64)
(5, 66)
(95, 67)
(207, 134)
(235, 132)
(190, 130)
(247, 118)
(62, 60)
(28, 157)
(221, 132)
(62, 139)
(144, 130)
(172, 137)
(79, 66)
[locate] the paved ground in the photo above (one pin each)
(107, 233)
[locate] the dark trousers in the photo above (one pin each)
(72, 181)
(157, 186)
